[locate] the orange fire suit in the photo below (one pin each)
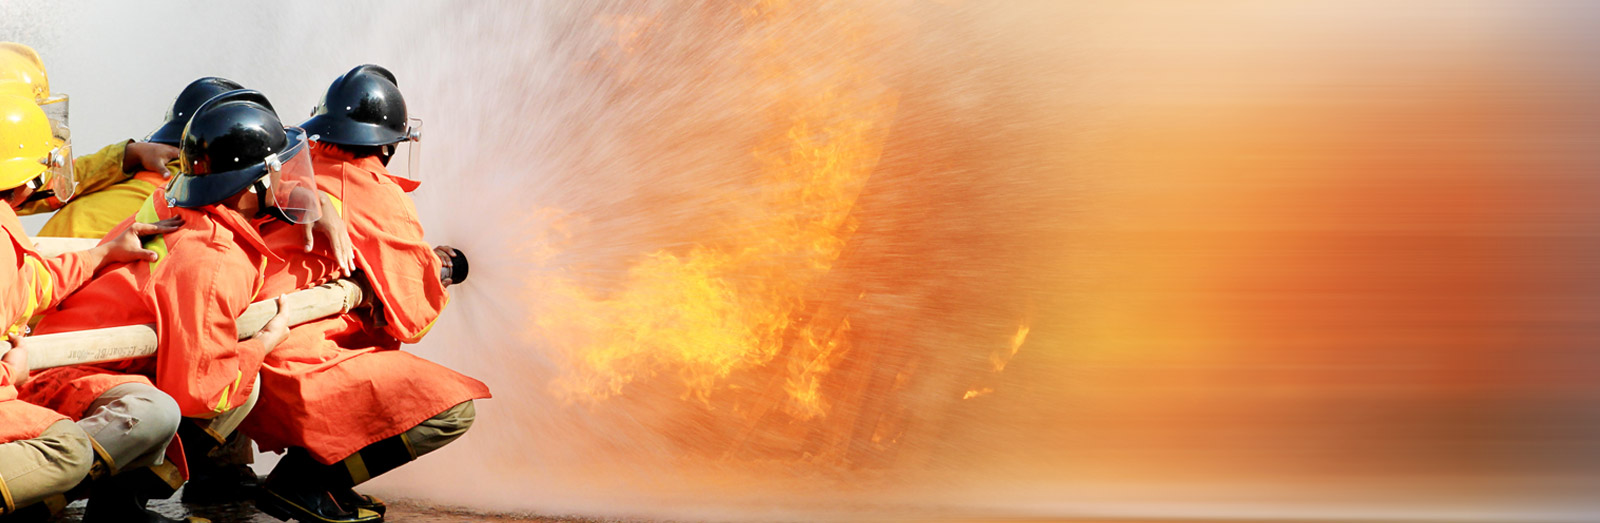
(208, 273)
(337, 385)
(28, 285)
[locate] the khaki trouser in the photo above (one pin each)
(442, 429)
(33, 469)
(133, 423)
(428, 436)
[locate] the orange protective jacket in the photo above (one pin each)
(208, 273)
(340, 384)
(20, 420)
(28, 285)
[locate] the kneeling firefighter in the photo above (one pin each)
(241, 171)
(133, 426)
(338, 395)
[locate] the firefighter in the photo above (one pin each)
(240, 170)
(22, 74)
(42, 453)
(93, 214)
(33, 153)
(338, 395)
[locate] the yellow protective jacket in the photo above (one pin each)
(106, 196)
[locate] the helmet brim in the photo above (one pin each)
(342, 131)
(199, 191)
(170, 133)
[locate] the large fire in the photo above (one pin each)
(731, 315)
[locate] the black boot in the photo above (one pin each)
(119, 499)
(351, 498)
(215, 476)
(298, 489)
(367, 463)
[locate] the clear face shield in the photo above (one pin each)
(411, 148)
(58, 177)
(290, 185)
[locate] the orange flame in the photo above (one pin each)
(700, 315)
(999, 358)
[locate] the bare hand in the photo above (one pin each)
(332, 227)
(129, 246)
(444, 252)
(17, 358)
(148, 156)
(276, 329)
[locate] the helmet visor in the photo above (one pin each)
(291, 183)
(57, 178)
(411, 147)
(55, 108)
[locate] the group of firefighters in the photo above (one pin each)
(223, 205)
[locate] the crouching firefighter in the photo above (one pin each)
(338, 395)
(44, 455)
(240, 169)
(103, 201)
(106, 172)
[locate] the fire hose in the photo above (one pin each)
(139, 341)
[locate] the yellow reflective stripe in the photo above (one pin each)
(41, 293)
(338, 205)
(169, 474)
(223, 405)
(158, 243)
(45, 283)
(147, 212)
(103, 464)
(5, 497)
(261, 276)
(357, 468)
(425, 330)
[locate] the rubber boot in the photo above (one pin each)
(350, 498)
(215, 476)
(369, 462)
(121, 499)
(299, 489)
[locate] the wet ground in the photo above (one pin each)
(406, 512)
(399, 512)
(412, 512)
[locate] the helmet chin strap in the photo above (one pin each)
(260, 188)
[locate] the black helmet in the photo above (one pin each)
(224, 147)
(183, 107)
(363, 108)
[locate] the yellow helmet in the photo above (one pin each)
(22, 72)
(30, 153)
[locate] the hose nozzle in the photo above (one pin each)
(457, 271)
